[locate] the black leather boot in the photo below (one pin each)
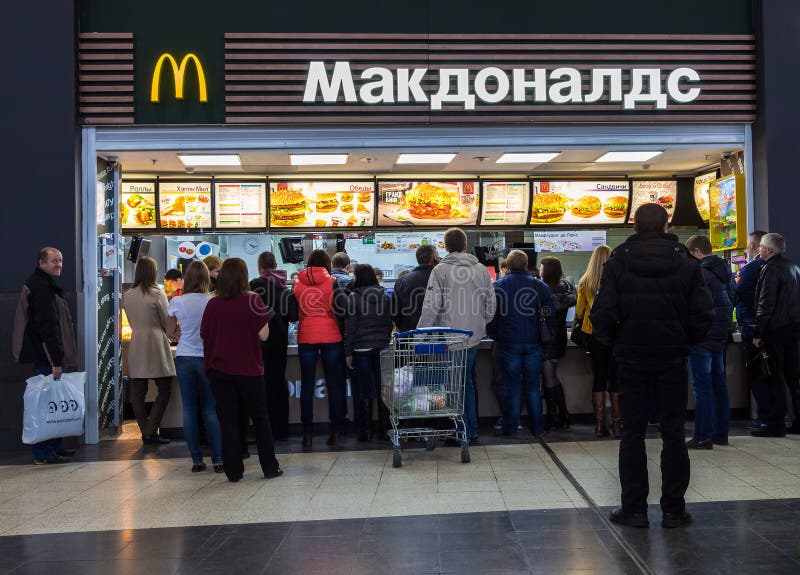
(550, 417)
(561, 402)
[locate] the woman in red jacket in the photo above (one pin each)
(319, 334)
(234, 324)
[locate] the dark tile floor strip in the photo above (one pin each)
(752, 537)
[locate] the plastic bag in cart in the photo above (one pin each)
(403, 380)
(53, 408)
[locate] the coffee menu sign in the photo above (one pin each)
(661, 192)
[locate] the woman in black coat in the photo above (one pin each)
(564, 297)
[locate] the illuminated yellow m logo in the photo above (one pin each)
(178, 73)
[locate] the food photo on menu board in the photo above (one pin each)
(427, 203)
(505, 203)
(331, 204)
(184, 205)
(661, 192)
(701, 184)
(409, 242)
(579, 202)
(137, 205)
(240, 205)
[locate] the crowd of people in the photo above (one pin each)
(644, 312)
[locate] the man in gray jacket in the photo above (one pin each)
(460, 295)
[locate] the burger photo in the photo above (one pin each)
(616, 206)
(586, 207)
(427, 201)
(346, 208)
(364, 196)
(287, 208)
(327, 202)
(346, 196)
(666, 201)
(548, 208)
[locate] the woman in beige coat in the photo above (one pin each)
(149, 355)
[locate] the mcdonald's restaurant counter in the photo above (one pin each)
(574, 372)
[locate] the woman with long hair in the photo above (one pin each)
(234, 324)
(149, 354)
(368, 331)
(604, 367)
(185, 313)
(319, 305)
(564, 297)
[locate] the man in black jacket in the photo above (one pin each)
(776, 331)
(409, 290)
(707, 361)
(48, 342)
(652, 307)
(271, 286)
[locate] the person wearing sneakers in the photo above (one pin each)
(707, 361)
(48, 341)
(652, 307)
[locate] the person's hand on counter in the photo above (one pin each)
(349, 361)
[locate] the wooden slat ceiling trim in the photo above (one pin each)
(106, 76)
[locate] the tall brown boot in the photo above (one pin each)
(599, 404)
(616, 415)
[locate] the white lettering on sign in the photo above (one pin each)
(492, 85)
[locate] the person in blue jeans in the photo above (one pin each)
(185, 313)
(707, 359)
(521, 301)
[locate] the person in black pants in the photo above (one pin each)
(652, 307)
(271, 286)
(233, 323)
(777, 332)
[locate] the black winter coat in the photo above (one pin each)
(407, 297)
(44, 330)
(282, 308)
(777, 297)
(653, 302)
(564, 297)
(719, 280)
(369, 319)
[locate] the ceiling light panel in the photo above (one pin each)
(318, 159)
(627, 156)
(210, 159)
(532, 158)
(425, 158)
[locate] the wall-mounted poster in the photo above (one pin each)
(184, 205)
(329, 204)
(580, 202)
(505, 203)
(701, 193)
(427, 203)
(408, 243)
(568, 241)
(727, 224)
(661, 192)
(137, 206)
(240, 205)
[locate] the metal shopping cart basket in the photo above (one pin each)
(423, 374)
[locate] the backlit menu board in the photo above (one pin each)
(727, 213)
(240, 205)
(137, 206)
(427, 203)
(661, 192)
(184, 205)
(701, 193)
(397, 243)
(505, 203)
(321, 204)
(579, 203)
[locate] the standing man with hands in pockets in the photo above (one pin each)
(48, 341)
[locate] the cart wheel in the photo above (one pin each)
(430, 443)
(397, 459)
(465, 454)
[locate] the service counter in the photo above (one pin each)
(574, 371)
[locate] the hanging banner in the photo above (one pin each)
(568, 241)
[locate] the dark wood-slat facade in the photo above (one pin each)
(105, 78)
(265, 75)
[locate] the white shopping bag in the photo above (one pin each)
(53, 408)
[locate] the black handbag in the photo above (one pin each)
(546, 335)
(577, 336)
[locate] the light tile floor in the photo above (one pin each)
(118, 495)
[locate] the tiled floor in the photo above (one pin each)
(511, 510)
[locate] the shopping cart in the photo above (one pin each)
(423, 373)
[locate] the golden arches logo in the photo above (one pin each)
(178, 73)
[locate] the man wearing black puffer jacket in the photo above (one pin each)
(707, 361)
(652, 307)
(777, 331)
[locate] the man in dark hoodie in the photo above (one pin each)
(707, 361)
(652, 307)
(271, 286)
(409, 290)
